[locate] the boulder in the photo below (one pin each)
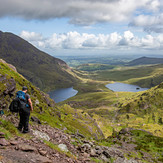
(98, 150)
(93, 153)
(63, 147)
(2, 135)
(125, 131)
(43, 152)
(37, 102)
(86, 148)
(106, 153)
(14, 142)
(4, 142)
(26, 147)
(41, 135)
(35, 119)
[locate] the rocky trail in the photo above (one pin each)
(45, 144)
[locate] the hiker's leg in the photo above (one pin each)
(21, 121)
(26, 122)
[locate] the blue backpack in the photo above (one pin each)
(20, 102)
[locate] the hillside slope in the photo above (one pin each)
(44, 107)
(144, 61)
(54, 126)
(43, 70)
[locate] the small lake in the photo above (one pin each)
(59, 95)
(122, 87)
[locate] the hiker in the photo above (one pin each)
(24, 111)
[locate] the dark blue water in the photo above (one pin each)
(122, 87)
(59, 95)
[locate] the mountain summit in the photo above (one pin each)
(40, 68)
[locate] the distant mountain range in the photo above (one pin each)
(144, 61)
(45, 71)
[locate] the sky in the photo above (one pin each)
(87, 27)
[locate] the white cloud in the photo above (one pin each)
(112, 41)
(81, 12)
(31, 36)
(148, 20)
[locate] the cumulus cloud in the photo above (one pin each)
(150, 22)
(112, 41)
(80, 12)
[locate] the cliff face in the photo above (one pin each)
(43, 70)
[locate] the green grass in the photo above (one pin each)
(59, 116)
(144, 76)
(149, 143)
(94, 67)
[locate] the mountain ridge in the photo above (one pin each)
(144, 61)
(45, 71)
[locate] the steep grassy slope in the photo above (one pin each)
(148, 106)
(144, 61)
(116, 110)
(41, 69)
(73, 121)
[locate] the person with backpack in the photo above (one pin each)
(25, 106)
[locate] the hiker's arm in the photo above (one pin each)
(30, 103)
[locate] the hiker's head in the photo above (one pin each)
(24, 89)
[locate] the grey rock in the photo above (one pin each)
(13, 142)
(41, 135)
(105, 159)
(10, 87)
(98, 150)
(63, 147)
(43, 152)
(4, 142)
(93, 153)
(35, 119)
(43, 159)
(125, 131)
(37, 102)
(106, 153)
(114, 152)
(26, 147)
(2, 135)
(125, 160)
(86, 148)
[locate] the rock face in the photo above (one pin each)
(11, 66)
(8, 87)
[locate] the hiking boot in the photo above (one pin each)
(20, 129)
(26, 132)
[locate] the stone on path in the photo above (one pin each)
(4, 142)
(63, 147)
(26, 147)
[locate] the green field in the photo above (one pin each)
(144, 76)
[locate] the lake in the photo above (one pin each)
(59, 95)
(122, 87)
